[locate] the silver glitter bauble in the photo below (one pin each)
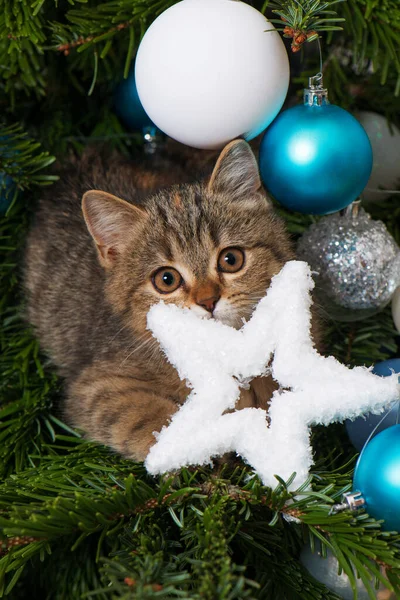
(326, 571)
(356, 260)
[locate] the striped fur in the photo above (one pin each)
(89, 284)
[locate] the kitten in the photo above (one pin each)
(91, 276)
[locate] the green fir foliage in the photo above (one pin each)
(309, 18)
(77, 521)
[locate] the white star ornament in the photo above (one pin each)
(217, 360)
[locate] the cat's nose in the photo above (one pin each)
(209, 303)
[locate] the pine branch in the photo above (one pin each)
(77, 521)
(303, 20)
(29, 37)
(65, 494)
(145, 570)
(198, 518)
(21, 39)
(21, 158)
(373, 33)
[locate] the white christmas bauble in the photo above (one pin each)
(396, 309)
(209, 71)
(385, 144)
(326, 570)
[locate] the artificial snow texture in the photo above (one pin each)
(217, 360)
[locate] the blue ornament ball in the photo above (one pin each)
(361, 428)
(128, 106)
(315, 159)
(6, 192)
(387, 367)
(377, 477)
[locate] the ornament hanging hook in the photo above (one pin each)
(316, 81)
(316, 94)
(320, 57)
(352, 210)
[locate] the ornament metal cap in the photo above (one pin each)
(315, 94)
(353, 501)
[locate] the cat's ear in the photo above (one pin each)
(110, 222)
(236, 172)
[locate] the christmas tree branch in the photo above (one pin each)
(90, 494)
(375, 37)
(22, 158)
(78, 521)
(304, 20)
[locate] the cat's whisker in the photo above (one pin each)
(128, 356)
(154, 351)
(135, 347)
(248, 305)
(150, 346)
(114, 337)
(247, 296)
(255, 297)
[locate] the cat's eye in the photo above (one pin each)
(167, 280)
(231, 260)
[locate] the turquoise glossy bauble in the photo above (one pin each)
(315, 159)
(377, 477)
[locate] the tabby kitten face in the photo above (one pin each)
(212, 248)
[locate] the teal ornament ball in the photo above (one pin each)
(128, 106)
(315, 159)
(377, 477)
